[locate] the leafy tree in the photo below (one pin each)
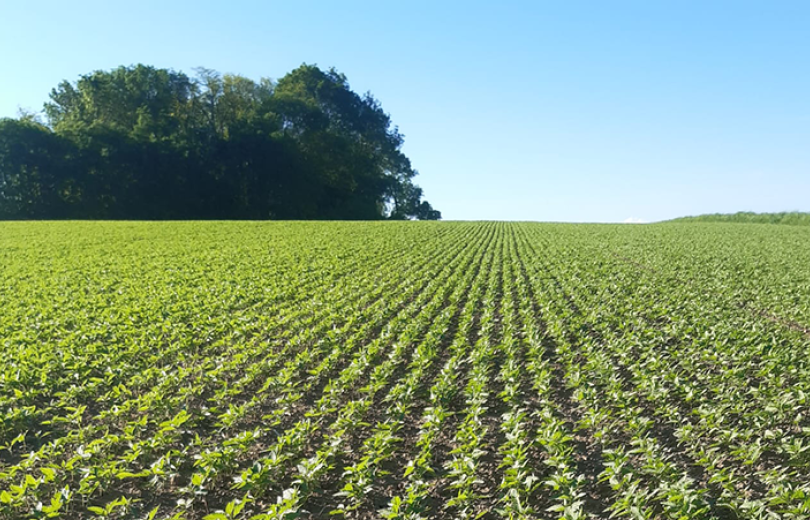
(147, 143)
(35, 172)
(141, 101)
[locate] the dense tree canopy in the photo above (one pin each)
(145, 143)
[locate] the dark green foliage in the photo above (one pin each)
(35, 171)
(145, 143)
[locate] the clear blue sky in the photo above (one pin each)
(564, 110)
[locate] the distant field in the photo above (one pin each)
(404, 370)
(790, 218)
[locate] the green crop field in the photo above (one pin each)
(404, 370)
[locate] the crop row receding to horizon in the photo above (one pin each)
(404, 370)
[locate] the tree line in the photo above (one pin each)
(790, 218)
(141, 142)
